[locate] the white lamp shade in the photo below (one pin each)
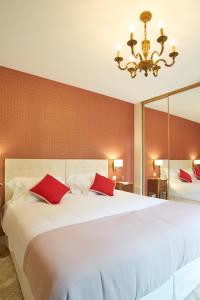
(118, 163)
(158, 162)
(197, 162)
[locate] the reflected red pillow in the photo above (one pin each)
(50, 190)
(183, 175)
(197, 172)
(103, 185)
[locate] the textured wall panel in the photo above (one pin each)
(40, 118)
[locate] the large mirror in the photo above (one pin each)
(184, 125)
(156, 145)
(171, 146)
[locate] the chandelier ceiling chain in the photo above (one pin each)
(145, 61)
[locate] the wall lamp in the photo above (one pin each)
(118, 163)
(196, 162)
(157, 163)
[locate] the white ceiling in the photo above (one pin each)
(73, 41)
(185, 105)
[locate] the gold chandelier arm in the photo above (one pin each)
(155, 73)
(120, 66)
(162, 49)
(131, 63)
(158, 53)
(133, 71)
(138, 55)
(153, 53)
(133, 74)
(165, 62)
(172, 63)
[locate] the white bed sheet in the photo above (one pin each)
(23, 221)
(185, 190)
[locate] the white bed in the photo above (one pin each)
(23, 222)
(179, 190)
(185, 191)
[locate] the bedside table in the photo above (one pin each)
(124, 186)
(158, 187)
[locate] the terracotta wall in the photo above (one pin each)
(184, 138)
(45, 119)
(156, 138)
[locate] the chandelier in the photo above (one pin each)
(146, 61)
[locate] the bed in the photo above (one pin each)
(27, 221)
(179, 190)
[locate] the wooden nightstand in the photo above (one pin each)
(157, 187)
(124, 186)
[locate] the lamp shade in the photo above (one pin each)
(118, 163)
(197, 162)
(158, 162)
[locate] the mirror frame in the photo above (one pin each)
(157, 98)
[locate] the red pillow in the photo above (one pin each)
(197, 172)
(185, 176)
(50, 189)
(103, 185)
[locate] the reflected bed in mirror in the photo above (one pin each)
(171, 131)
(180, 190)
(184, 144)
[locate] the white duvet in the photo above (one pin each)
(185, 190)
(23, 220)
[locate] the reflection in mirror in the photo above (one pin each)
(155, 168)
(184, 146)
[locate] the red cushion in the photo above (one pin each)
(197, 172)
(50, 189)
(185, 176)
(103, 185)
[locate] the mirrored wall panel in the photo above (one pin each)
(184, 109)
(156, 131)
(171, 147)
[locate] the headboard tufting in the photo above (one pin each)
(56, 167)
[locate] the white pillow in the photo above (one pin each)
(20, 186)
(173, 175)
(164, 173)
(80, 183)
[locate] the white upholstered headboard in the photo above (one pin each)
(173, 164)
(180, 164)
(56, 167)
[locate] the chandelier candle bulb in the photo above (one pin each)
(132, 30)
(161, 26)
(173, 45)
(118, 49)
